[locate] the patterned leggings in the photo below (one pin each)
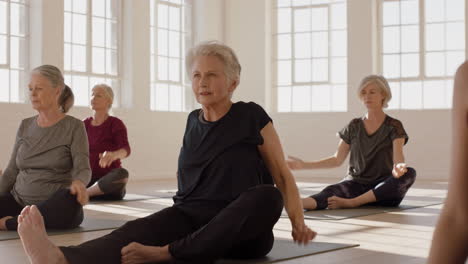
(389, 192)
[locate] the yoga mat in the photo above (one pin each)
(89, 224)
(286, 249)
(128, 197)
(339, 214)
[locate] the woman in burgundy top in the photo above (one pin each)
(108, 144)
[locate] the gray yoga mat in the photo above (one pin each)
(286, 249)
(89, 224)
(128, 198)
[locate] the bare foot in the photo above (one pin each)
(3, 222)
(36, 244)
(135, 253)
(336, 202)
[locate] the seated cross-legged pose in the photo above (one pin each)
(377, 171)
(450, 242)
(108, 144)
(226, 204)
(49, 165)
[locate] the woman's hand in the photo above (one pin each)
(295, 163)
(302, 234)
(78, 188)
(106, 158)
(399, 170)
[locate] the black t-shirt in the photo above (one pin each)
(219, 160)
(371, 158)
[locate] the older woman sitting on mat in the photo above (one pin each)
(226, 204)
(377, 172)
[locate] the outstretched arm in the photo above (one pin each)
(451, 234)
(331, 162)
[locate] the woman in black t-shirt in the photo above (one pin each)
(377, 171)
(226, 204)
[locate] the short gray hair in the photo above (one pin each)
(383, 85)
(55, 77)
(232, 68)
(107, 89)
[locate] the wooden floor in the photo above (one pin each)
(395, 237)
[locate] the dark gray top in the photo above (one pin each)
(371, 158)
(45, 160)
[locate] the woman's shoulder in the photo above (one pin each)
(391, 121)
(355, 121)
(72, 121)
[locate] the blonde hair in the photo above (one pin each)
(381, 83)
(232, 68)
(107, 90)
(55, 77)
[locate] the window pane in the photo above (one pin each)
(435, 37)
(175, 98)
(302, 20)
(174, 18)
(391, 39)
(321, 100)
(319, 19)
(17, 14)
(391, 13)
(99, 8)
(174, 44)
(411, 93)
(112, 8)
(5, 93)
(339, 70)
(80, 89)
(162, 96)
(300, 2)
(284, 46)
(339, 43)
(303, 71)
(284, 99)
(67, 57)
(320, 70)
(163, 38)
(284, 72)
(435, 64)
(162, 68)
(320, 44)
(434, 94)
(163, 19)
(395, 101)
(301, 99)
(454, 59)
(67, 28)
(338, 16)
(152, 69)
(284, 20)
(99, 30)
(18, 53)
(80, 6)
(339, 98)
(455, 9)
(3, 18)
(78, 58)
(3, 50)
(174, 70)
(455, 36)
(79, 29)
(111, 34)
(99, 59)
(281, 3)
(14, 86)
(409, 65)
(410, 39)
(409, 12)
(302, 44)
(448, 93)
(434, 10)
(391, 66)
(67, 6)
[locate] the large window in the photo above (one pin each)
(91, 52)
(422, 43)
(311, 55)
(14, 50)
(170, 35)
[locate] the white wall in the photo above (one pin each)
(245, 25)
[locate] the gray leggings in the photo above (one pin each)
(112, 184)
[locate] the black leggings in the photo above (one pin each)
(389, 192)
(198, 233)
(60, 211)
(112, 185)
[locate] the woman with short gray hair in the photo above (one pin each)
(377, 171)
(226, 204)
(49, 164)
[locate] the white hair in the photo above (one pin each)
(107, 90)
(232, 68)
(381, 83)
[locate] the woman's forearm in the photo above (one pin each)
(330, 162)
